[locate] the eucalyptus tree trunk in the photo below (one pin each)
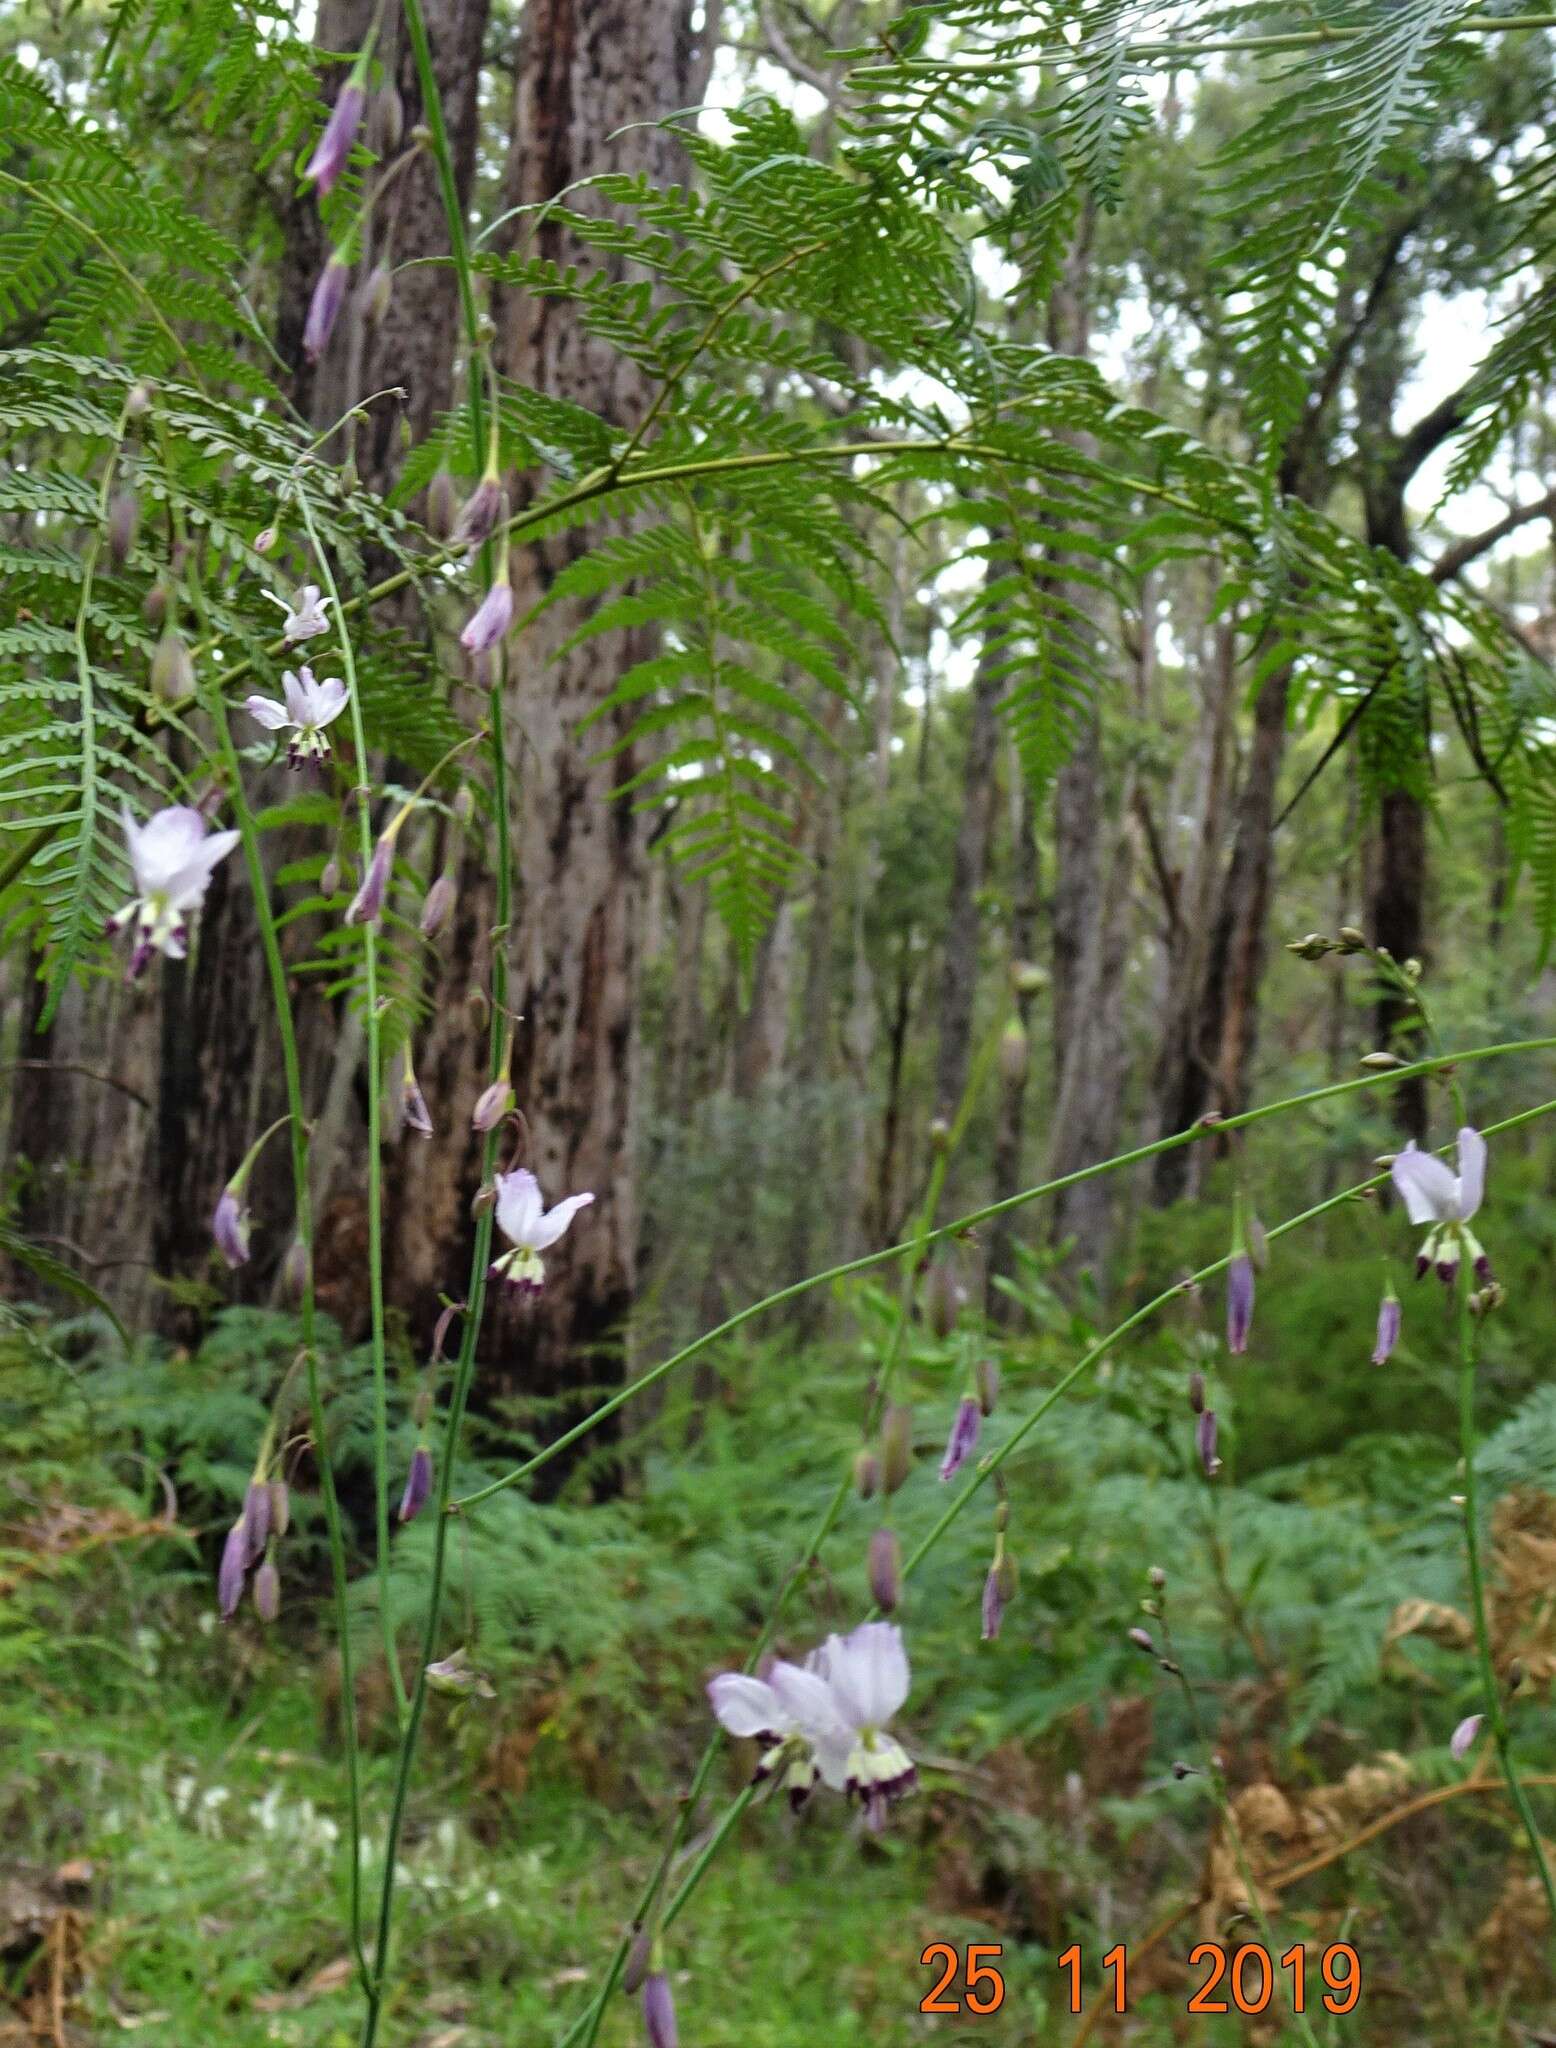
(586, 70)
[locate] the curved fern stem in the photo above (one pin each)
(375, 1136)
(989, 1465)
(1491, 1691)
(867, 1260)
(275, 968)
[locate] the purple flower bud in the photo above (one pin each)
(442, 505)
(414, 1104)
(267, 1591)
(329, 295)
(329, 877)
(1239, 1302)
(993, 1605)
(229, 1577)
(123, 525)
(230, 1227)
(1388, 1327)
(639, 1956)
(1197, 1391)
(1462, 1740)
(256, 1519)
(659, 2011)
(885, 1569)
(483, 508)
(280, 1507)
(386, 121)
(492, 1105)
(867, 1474)
(265, 540)
(440, 902)
(896, 1445)
(1205, 1441)
(440, 1329)
(367, 906)
(491, 620)
(377, 291)
(154, 605)
(332, 151)
(1141, 1638)
(963, 1440)
(294, 1272)
(986, 1379)
(418, 1484)
(172, 669)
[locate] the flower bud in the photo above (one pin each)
(154, 605)
(1462, 1740)
(1389, 1317)
(265, 540)
(489, 622)
(659, 2011)
(885, 1569)
(963, 1439)
(1239, 1302)
(867, 1474)
(482, 1200)
(896, 1445)
(280, 1507)
(267, 1591)
(1157, 1577)
(377, 291)
(440, 1328)
(492, 1105)
(939, 1134)
(1141, 1638)
(418, 1484)
(230, 1227)
(1258, 1242)
(123, 525)
(329, 877)
(294, 1273)
(329, 295)
(484, 507)
(1313, 947)
(1197, 1391)
(386, 121)
(993, 1613)
(1351, 940)
(413, 1105)
(438, 906)
(1379, 1062)
(442, 505)
(256, 1520)
(230, 1573)
(986, 1383)
(367, 906)
(332, 152)
(1205, 1438)
(943, 1296)
(138, 401)
(1014, 1054)
(172, 670)
(635, 1969)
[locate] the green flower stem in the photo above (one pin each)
(475, 1299)
(991, 1464)
(1491, 1691)
(375, 1134)
(970, 1221)
(280, 995)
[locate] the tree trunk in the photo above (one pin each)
(959, 958)
(1010, 1115)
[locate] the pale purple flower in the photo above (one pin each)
(309, 707)
(529, 1227)
(491, 619)
(1434, 1195)
(1462, 1740)
(230, 1574)
(414, 1105)
(267, 1591)
(435, 911)
(1389, 1317)
(256, 1520)
(993, 1604)
(483, 508)
(456, 1674)
(173, 855)
(332, 151)
(305, 620)
(492, 1105)
(329, 295)
(230, 1226)
(963, 1440)
(659, 2011)
(748, 1706)
(418, 1484)
(885, 1569)
(1239, 1301)
(1205, 1441)
(367, 906)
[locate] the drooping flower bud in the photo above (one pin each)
(138, 401)
(1258, 1241)
(442, 505)
(896, 1445)
(230, 1574)
(1014, 1054)
(154, 604)
(1462, 1740)
(280, 1507)
(1197, 1391)
(885, 1569)
(172, 669)
(256, 1519)
(385, 121)
(492, 1105)
(993, 1613)
(491, 619)
(332, 152)
(418, 1484)
(438, 906)
(1389, 1317)
(294, 1272)
(329, 877)
(377, 291)
(329, 295)
(639, 1956)
(986, 1383)
(367, 906)
(1239, 1302)
(867, 1474)
(267, 1591)
(1141, 1638)
(265, 540)
(963, 1440)
(483, 509)
(414, 1104)
(230, 1226)
(1205, 1437)
(943, 1297)
(123, 525)
(659, 2011)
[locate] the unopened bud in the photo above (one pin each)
(440, 902)
(385, 121)
(256, 1519)
(329, 877)
(123, 525)
(267, 1591)
(280, 1507)
(483, 1198)
(939, 1134)
(1197, 1391)
(418, 1484)
(659, 2011)
(1141, 1638)
(294, 1272)
(1313, 947)
(1027, 978)
(492, 1105)
(986, 1382)
(367, 906)
(867, 1474)
(1379, 1062)
(943, 1296)
(265, 540)
(896, 1445)
(172, 669)
(376, 293)
(1351, 940)
(1205, 1439)
(442, 505)
(1157, 1577)
(635, 1968)
(154, 605)
(885, 1569)
(963, 1439)
(1258, 1242)
(1014, 1054)
(138, 401)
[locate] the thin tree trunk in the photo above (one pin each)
(1011, 1113)
(960, 953)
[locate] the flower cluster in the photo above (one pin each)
(827, 1718)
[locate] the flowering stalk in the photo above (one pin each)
(375, 1165)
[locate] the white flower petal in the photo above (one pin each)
(162, 847)
(267, 712)
(549, 1228)
(867, 1673)
(1472, 1172)
(185, 889)
(297, 689)
(746, 1705)
(1428, 1188)
(808, 1701)
(519, 1207)
(329, 700)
